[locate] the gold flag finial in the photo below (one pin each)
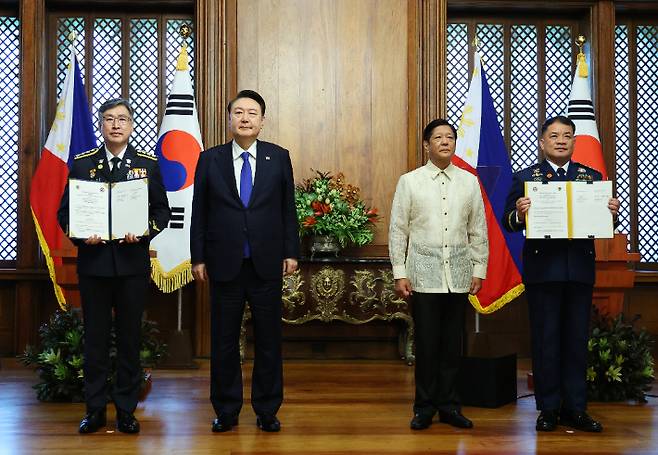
(182, 63)
(185, 31)
(476, 43)
(583, 70)
(72, 36)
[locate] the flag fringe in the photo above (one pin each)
(170, 281)
(59, 294)
(498, 303)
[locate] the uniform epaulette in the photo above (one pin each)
(86, 154)
(148, 155)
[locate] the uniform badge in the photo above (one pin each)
(137, 173)
(582, 170)
(549, 176)
(92, 173)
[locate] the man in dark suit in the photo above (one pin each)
(114, 275)
(244, 237)
(559, 278)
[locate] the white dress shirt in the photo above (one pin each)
(238, 161)
(556, 167)
(438, 232)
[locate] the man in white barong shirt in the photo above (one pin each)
(439, 250)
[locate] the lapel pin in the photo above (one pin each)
(267, 157)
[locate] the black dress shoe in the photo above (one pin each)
(580, 420)
(224, 422)
(268, 423)
(126, 422)
(455, 418)
(420, 421)
(547, 421)
(93, 421)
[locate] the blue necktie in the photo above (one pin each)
(245, 191)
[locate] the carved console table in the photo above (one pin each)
(348, 289)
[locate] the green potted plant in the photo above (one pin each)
(332, 212)
(59, 358)
(620, 364)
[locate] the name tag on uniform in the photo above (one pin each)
(137, 173)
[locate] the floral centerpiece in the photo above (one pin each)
(328, 206)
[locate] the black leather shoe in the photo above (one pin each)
(224, 422)
(580, 420)
(93, 421)
(420, 422)
(547, 421)
(455, 418)
(126, 422)
(268, 423)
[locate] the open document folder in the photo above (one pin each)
(109, 210)
(569, 210)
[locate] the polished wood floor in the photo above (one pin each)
(330, 408)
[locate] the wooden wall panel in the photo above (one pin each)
(334, 75)
(643, 300)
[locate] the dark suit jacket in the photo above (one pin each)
(551, 259)
(114, 258)
(221, 223)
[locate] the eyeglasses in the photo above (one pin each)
(121, 120)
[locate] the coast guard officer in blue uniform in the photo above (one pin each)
(559, 279)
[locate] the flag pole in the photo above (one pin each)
(179, 341)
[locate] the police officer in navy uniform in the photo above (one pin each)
(559, 277)
(114, 275)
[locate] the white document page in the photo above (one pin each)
(130, 208)
(88, 209)
(548, 215)
(590, 216)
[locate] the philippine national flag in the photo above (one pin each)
(178, 149)
(72, 132)
(481, 151)
(587, 150)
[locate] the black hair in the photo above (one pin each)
(112, 103)
(427, 132)
(248, 94)
(558, 119)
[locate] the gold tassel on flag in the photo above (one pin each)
(583, 69)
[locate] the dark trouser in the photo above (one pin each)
(439, 325)
(126, 294)
(228, 302)
(559, 329)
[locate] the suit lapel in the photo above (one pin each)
(126, 163)
(571, 171)
(225, 164)
(102, 166)
(547, 171)
(263, 169)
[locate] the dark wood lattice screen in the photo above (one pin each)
(9, 93)
(133, 57)
(529, 67)
(636, 157)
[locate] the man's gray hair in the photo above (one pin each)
(114, 102)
